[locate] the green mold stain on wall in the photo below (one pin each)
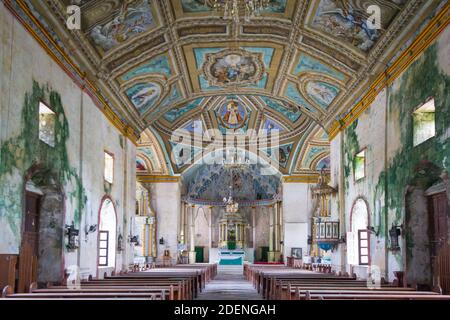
(421, 165)
(24, 151)
(351, 148)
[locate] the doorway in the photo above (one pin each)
(440, 253)
(264, 254)
(107, 241)
(199, 254)
(29, 251)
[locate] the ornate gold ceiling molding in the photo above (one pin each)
(301, 178)
(144, 178)
(419, 45)
(148, 139)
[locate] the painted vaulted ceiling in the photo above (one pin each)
(161, 65)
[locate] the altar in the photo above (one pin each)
(231, 257)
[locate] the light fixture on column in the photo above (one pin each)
(394, 234)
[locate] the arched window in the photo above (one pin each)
(107, 235)
(361, 237)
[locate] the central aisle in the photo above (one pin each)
(229, 284)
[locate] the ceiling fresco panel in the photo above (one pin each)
(346, 20)
(157, 65)
(292, 93)
(322, 93)
(134, 18)
(288, 111)
(214, 67)
(305, 64)
(144, 95)
(295, 67)
(177, 112)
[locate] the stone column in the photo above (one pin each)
(182, 223)
(271, 233)
(281, 228)
(192, 236)
(276, 235)
(210, 231)
(274, 250)
(254, 227)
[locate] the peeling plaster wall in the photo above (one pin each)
(335, 206)
(392, 162)
(27, 74)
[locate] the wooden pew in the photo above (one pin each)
(180, 282)
(291, 284)
(155, 294)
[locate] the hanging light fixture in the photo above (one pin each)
(232, 9)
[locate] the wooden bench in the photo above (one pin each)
(284, 283)
(155, 294)
(175, 283)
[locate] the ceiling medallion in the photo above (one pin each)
(233, 115)
(233, 67)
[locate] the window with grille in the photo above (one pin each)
(109, 167)
(47, 124)
(360, 165)
(103, 248)
(424, 122)
(363, 247)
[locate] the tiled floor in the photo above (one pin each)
(229, 284)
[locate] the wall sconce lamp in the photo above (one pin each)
(120, 243)
(90, 229)
(372, 230)
(394, 234)
(72, 237)
(135, 240)
(161, 241)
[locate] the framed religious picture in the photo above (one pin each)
(335, 230)
(322, 230)
(328, 230)
(296, 253)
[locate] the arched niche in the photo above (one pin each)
(107, 237)
(359, 245)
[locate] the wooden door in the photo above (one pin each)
(264, 254)
(440, 254)
(8, 265)
(30, 243)
(199, 255)
(440, 216)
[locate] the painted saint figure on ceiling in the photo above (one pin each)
(233, 115)
(135, 17)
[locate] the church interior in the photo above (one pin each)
(225, 149)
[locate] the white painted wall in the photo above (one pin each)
(297, 207)
(166, 201)
(23, 60)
